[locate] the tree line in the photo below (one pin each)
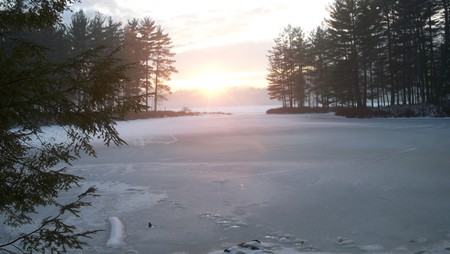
(141, 46)
(368, 53)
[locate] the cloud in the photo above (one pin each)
(198, 30)
(197, 23)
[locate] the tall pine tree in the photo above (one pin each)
(162, 61)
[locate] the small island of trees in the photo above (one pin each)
(368, 57)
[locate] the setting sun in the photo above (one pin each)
(211, 83)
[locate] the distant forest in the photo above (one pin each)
(141, 47)
(368, 53)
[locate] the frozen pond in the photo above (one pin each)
(313, 183)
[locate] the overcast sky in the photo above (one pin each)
(217, 40)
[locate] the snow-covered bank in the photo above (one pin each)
(299, 184)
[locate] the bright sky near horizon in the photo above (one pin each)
(218, 43)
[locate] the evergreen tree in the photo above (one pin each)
(286, 65)
(344, 34)
(132, 55)
(147, 32)
(37, 90)
(276, 75)
(369, 39)
(77, 33)
(96, 31)
(162, 62)
(320, 65)
(113, 35)
(444, 51)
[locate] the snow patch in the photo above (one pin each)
(372, 248)
(162, 139)
(226, 222)
(117, 238)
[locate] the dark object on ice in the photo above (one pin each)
(252, 245)
(419, 240)
(150, 225)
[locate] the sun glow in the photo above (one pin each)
(212, 83)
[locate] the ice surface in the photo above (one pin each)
(117, 236)
(299, 184)
(256, 247)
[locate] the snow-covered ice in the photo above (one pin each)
(256, 247)
(117, 236)
(299, 184)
